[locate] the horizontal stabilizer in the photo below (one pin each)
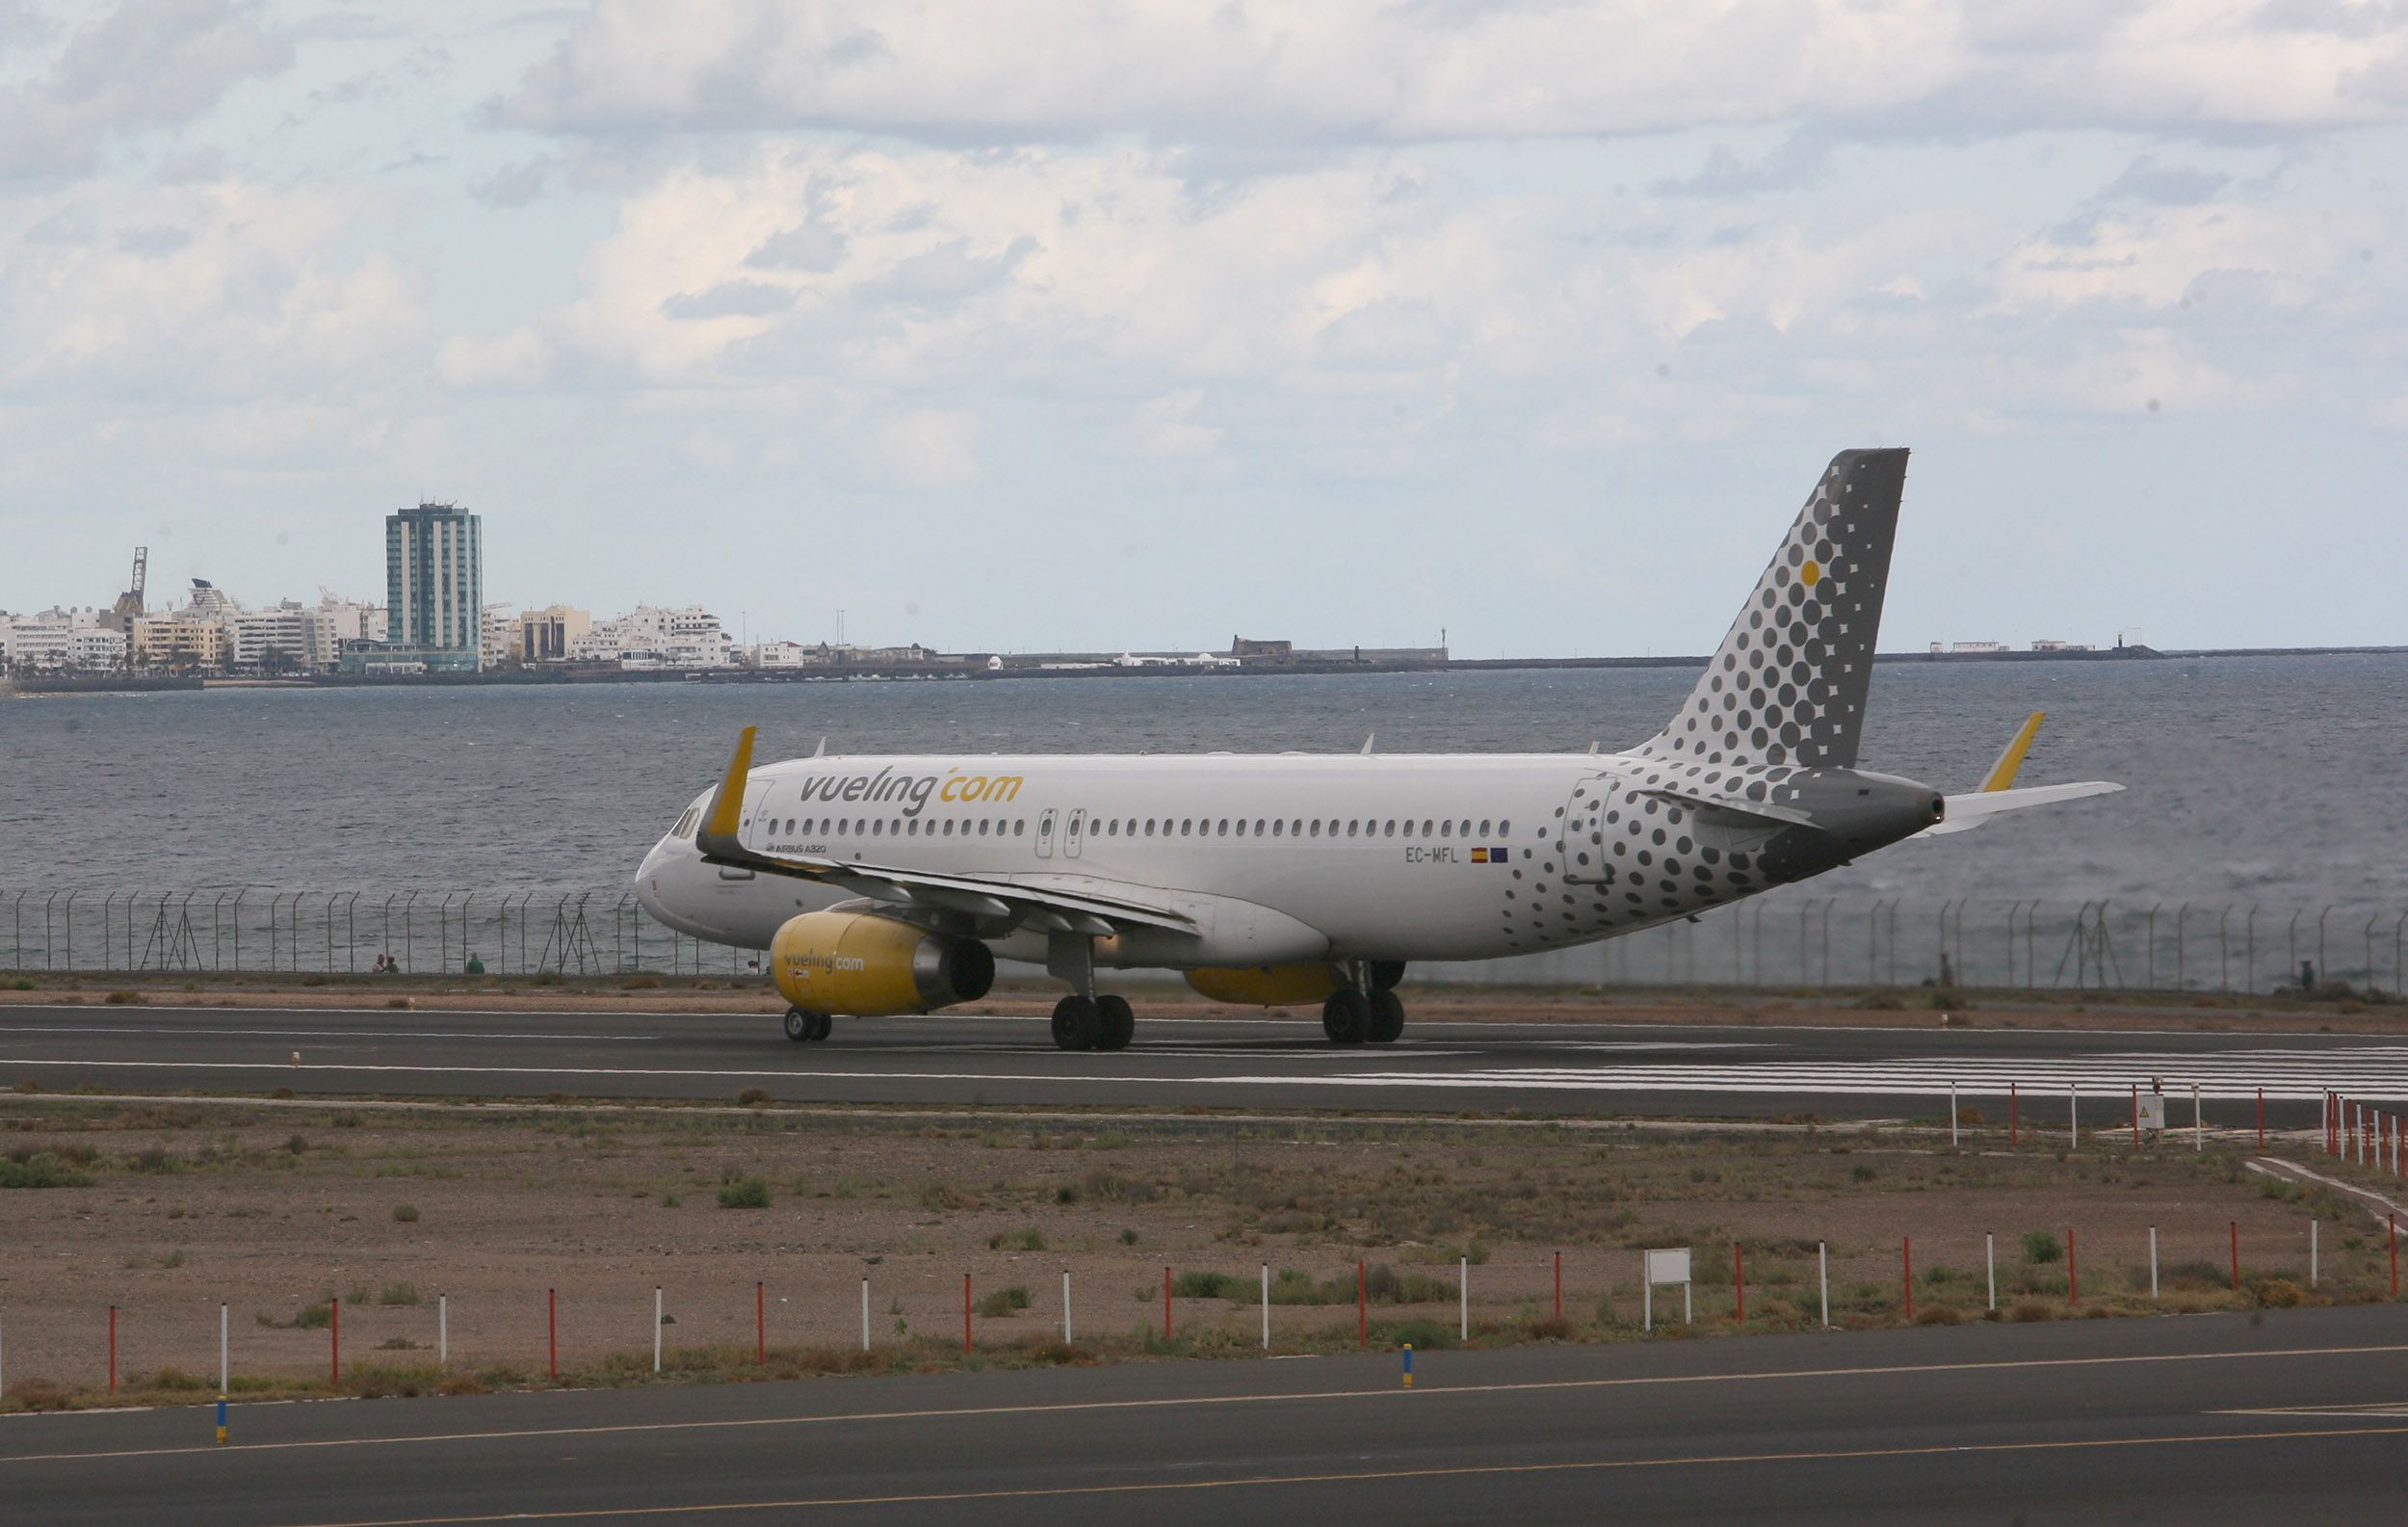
(1735, 811)
(1966, 812)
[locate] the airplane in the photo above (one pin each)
(884, 886)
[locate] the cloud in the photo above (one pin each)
(515, 185)
(149, 63)
(925, 447)
(1348, 72)
(730, 299)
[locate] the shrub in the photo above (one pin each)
(398, 1294)
(1863, 1173)
(1939, 1315)
(744, 1193)
(2279, 1293)
(313, 1317)
(1004, 1301)
(405, 1214)
(120, 999)
(2042, 1247)
(1211, 1285)
(644, 982)
(44, 1170)
(2031, 1309)
(298, 1145)
(753, 1098)
(1031, 1239)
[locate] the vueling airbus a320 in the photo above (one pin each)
(885, 886)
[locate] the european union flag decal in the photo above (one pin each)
(1497, 856)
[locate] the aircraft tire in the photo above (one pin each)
(1115, 1023)
(1345, 1017)
(1077, 1025)
(1387, 1017)
(800, 1025)
(823, 1024)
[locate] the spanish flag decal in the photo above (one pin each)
(1480, 855)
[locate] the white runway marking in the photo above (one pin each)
(2377, 1072)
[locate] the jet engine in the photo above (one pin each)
(870, 966)
(1266, 986)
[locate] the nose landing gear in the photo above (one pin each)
(804, 1027)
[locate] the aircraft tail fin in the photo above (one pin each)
(1788, 684)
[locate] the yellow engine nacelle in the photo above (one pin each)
(1266, 986)
(873, 967)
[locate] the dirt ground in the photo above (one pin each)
(165, 1210)
(1910, 1007)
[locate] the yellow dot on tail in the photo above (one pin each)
(1812, 573)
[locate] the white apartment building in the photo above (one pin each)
(500, 641)
(651, 637)
(60, 638)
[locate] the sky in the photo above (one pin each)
(1035, 324)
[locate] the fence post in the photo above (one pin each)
(761, 1324)
(2136, 1115)
(2312, 1227)
(1823, 1277)
(442, 1330)
(2153, 1261)
(2198, 1121)
(965, 1314)
(1990, 1261)
(1463, 1296)
(2260, 1119)
(1558, 1285)
(1907, 1265)
(656, 1328)
(222, 1375)
(2073, 1114)
(2010, 1116)
(552, 1331)
(1266, 1307)
(1166, 1303)
(865, 1312)
(1951, 1115)
(334, 1342)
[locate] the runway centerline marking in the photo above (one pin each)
(1368, 1476)
(1186, 1402)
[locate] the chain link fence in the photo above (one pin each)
(1776, 942)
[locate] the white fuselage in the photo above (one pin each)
(1279, 857)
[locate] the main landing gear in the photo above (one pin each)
(802, 1027)
(1094, 1023)
(1369, 1012)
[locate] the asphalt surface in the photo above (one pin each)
(2297, 1416)
(1251, 1063)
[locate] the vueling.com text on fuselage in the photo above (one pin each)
(915, 790)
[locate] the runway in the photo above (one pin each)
(2204, 1420)
(1214, 1063)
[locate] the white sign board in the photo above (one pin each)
(2153, 1111)
(1668, 1266)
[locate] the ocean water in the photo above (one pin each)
(2269, 782)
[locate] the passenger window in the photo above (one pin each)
(1351, 826)
(1279, 829)
(1426, 826)
(1467, 827)
(877, 829)
(1258, 826)
(1224, 826)
(1391, 827)
(1408, 827)
(1020, 825)
(1317, 828)
(1505, 829)
(1241, 827)
(1446, 829)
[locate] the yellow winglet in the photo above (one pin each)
(2003, 773)
(727, 806)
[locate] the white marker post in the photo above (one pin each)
(1990, 1260)
(2312, 1253)
(1951, 1115)
(2153, 1261)
(222, 1370)
(442, 1330)
(1266, 1307)
(865, 1312)
(1822, 1273)
(1065, 1306)
(1463, 1296)
(2073, 1115)
(656, 1328)
(2198, 1121)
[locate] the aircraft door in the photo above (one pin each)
(1584, 857)
(1072, 839)
(1045, 833)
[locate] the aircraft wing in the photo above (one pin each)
(1998, 794)
(1055, 902)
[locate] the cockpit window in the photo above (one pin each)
(687, 823)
